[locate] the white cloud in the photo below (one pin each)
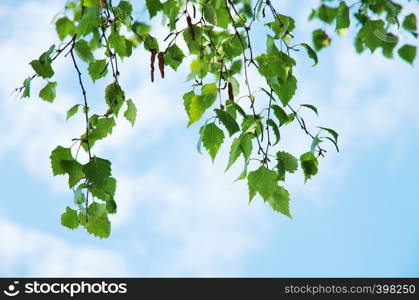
(194, 209)
(34, 253)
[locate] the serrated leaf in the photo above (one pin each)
(131, 113)
(97, 170)
(74, 170)
(286, 90)
(98, 69)
(212, 138)
(262, 181)
(311, 53)
(198, 104)
(70, 219)
(279, 201)
(48, 92)
(280, 114)
(173, 57)
(408, 53)
(117, 42)
(289, 162)
(372, 34)
(114, 97)
(83, 51)
(103, 127)
(235, 152)
(72, 111)
(57, 155)
(309, 164)
(97, 222)
(229, 123)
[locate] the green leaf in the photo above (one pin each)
(326, 13)
(65, 27)
(79, 197)
(342, 20)
(114, 97)
(153, 7)
(98, 69)
(262, 181)
(235, 152)
(311, 53)
(280, 114)
(48, 92)
(320, 39)
(97, 170)
(117, 42)
(372, 34)
(131, 113)
(173, 57)
(74, 170)
(410, 22)
(126, 7)
(97, 222)
(90, 3)
(277, 65)
(70, 219)
(83, 51)
(212, 138)
(240, 145)
(285, 90)
(408, 53)
(198, 104)
(27, 87)
(288, 161)
(275, 129)
(282, 26)
(229, 123)
(57, 155)
(279, 201)
(389, 43)
(102, 129)
(42, 69)
(312, 107)
(332, 132)
(309, 164)
(171, 10)
(72, 111)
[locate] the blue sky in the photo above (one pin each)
(181, 215)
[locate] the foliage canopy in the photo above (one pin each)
(98, 35)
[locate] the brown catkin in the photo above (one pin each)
(152, 59)
(103, 3)
(190, 27)
(161, 63)
(230, 92)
